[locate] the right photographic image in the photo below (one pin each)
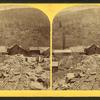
(76, 48)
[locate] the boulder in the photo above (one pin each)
(36, 86)
(70, 75)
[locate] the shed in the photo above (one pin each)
(16, 49)
(93, 49)
(43, 49)
(33, 51)
(46, 53)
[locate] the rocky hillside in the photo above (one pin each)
(79, 26)
(78, 73)
(18, 74)
(24, 26)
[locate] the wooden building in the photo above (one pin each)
(16, 49)
(46, 53)
(43, 49)
(33, 51)
(93, 49)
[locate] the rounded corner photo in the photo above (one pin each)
(76, 48)
(24, 48)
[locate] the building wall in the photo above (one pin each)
(16, 50)
(33, 52)
(90, 51)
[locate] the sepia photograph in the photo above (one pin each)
(24, 48)
(76, 48)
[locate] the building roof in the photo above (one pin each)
(42, 49)
(16, 45)
(94, 45)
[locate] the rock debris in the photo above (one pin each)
(81, 73)
(17, 73)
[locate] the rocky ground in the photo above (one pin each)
(18, 72)
(78, 72)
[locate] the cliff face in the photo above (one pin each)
(24, 26)
(79, 27)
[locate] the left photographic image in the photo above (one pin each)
(24, 48)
